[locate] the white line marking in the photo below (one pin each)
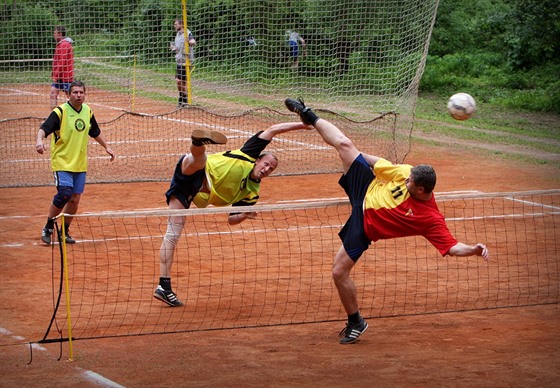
(88, 375)
(533, 203)
(100, 380)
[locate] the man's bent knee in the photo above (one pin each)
(63, 196)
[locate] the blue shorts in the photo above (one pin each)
(294, 49)
(355, 183)
(65, 86)
(75, 180)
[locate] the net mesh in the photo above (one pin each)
(148, 146)
(369, 54)
(276, 269)
(361, 59)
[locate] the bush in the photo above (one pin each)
(39, 25)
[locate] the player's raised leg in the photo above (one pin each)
(330, 133)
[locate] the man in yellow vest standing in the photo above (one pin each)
(71, 125)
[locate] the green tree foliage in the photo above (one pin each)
(39, 41)
(533, 36)
(506, 52)
(500, 49)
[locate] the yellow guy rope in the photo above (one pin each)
(187, 50)
(66, 286)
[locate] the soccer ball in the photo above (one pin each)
(461, 106)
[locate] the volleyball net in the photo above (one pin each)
(276, 269)
(363, 61)
(147, 147)
(370, 50)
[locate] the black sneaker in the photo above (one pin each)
(201, 137)
(306, 115)
(167, 296)
(46, 235)
(351, 332)
(69, 239)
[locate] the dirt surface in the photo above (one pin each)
(512, 347)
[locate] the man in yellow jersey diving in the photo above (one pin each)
(219, 179)
(71, 125)
(388, 201)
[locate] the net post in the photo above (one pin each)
(187, 50)
(66, 286)
(133, 81)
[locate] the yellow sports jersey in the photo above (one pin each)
(228, 177)
(69, 143)
(388, 189)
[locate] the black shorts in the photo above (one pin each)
(355, 183)
(181, 73)
(186, 187)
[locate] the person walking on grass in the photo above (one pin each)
(388, 201)
(71, 125)
(218, 179)
(297, 47)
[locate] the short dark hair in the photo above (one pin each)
(79, 84)
(424, 176)
(264, 153)
(61, 29)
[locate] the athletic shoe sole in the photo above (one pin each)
(208, 137)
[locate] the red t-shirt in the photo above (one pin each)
(63, 62)
(390, 211)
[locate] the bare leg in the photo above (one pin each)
(334, 137)
(71, 208)
(54, 97)
(194, 161)
(175, 226)
(342, 266)
(182, 89)
(174, 230)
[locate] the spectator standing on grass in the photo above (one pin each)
(388, 201)
(182, 52)
(219, 179)
(62, 66)
(71, 125)
(295, 41)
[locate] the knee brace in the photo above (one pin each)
(173, 232)
(63, 196)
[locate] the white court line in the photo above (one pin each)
(533, 203)
(88, 375)
(19, 91)
(278, 139)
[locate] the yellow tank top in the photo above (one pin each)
(69, 143)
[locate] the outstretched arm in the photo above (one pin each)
(237, 218)
(461, 249)
(277, 129)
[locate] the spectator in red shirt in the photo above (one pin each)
(388, 201)
(63, 65)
